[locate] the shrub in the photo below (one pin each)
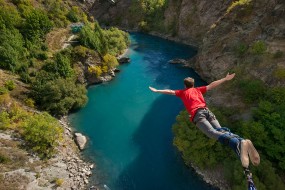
(3, 90)
(9, 16)
(116, 40)
(11, 49)
(60, 66)
(93, 39)
(252, 90)
(241, 49)
(10, 85)
(57, 11)
(279, 73)
(60, 96)
(37, 25)
(258, 47)
(110, 61)
(30, 102)
(42, 134)
(42, 56)
(72, 15)
(25, 77)
(95, 69)
(4, 120)
(59, 182)
(143, 26)
(80, 51)
(44, 47)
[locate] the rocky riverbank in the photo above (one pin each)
(65, 170)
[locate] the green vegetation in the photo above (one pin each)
(258, 48)
(59, 96)
(3, 90)
(61, 66)
(241, 49)
(149, 14)
(238, 3)
(116, 40)
(93, 38)
(51, 76)
(280, 73)
(266, 129)
(10, 85)
(41, 132)
(59, 182)
(253, 90)
(11, 49)
(36, 25)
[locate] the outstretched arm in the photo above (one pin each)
(165, 91)
(218, 82)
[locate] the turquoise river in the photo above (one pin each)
(129, 128)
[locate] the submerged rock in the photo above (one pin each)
(123, 60)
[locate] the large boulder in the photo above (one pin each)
(80, 140)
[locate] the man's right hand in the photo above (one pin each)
(152, 89)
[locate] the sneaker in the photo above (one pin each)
(253, 154)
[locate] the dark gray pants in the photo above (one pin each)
(206, 121)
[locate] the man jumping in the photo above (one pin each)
(206, 121)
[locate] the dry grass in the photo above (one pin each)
(55, 39)
(15, 158)
(13, 181)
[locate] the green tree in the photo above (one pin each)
(73, 14)
(196, 147)
(57, 10)
(110, 61)
(60, 66)
(116, 40)
(37, 25)
(42, 133)
(93, 38)
(252, 90)
(11, 49)
(9, 16)
(60, 96)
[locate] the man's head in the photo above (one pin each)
(189, 82)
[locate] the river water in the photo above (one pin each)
(129, 128)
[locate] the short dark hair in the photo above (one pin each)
(189, 82)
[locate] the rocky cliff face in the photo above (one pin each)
(260, 20)
(217, 28)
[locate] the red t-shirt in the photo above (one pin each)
(192, 99)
